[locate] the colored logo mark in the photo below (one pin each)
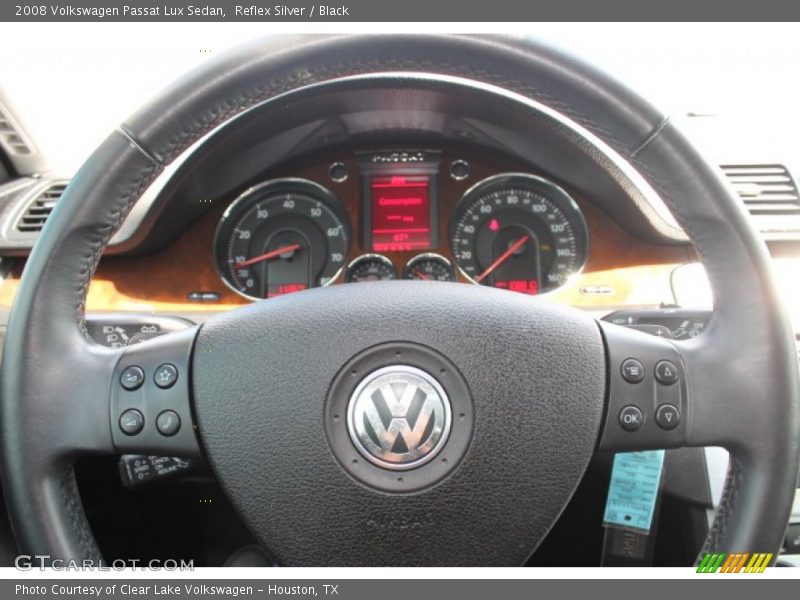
(737, 562)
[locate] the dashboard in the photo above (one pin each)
(453, 212)
(514, 231)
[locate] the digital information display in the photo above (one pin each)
(401, 215)
(525, 286)
(281, 289)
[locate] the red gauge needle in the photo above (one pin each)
(503, 257)
(420, 274)
(267, 256)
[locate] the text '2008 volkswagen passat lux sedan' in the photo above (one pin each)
(420, 300)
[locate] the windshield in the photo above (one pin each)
(739, 79)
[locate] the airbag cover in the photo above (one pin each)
(536, 372)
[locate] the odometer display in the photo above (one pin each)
(518, 232)
(280, 237)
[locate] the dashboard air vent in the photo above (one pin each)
(765, 189)
(40, 207)
(13, 140)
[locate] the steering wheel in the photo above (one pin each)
(513, 410)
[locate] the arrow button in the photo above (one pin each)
(668, 416)
(666, 372)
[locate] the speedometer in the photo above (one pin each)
(282, 236)
(518, 232)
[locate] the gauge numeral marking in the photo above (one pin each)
(296, 215)
(513, 206)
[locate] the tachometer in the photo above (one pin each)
(280, 237)
(518, 232)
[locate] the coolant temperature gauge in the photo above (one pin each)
(429, 267)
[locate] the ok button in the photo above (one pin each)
(630, 418)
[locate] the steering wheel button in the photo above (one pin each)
(132, 378)
(131, 422)
(632, 370)
(631, 418)
(165, 376)
(668, 416)
(168, 423)
(666, 372)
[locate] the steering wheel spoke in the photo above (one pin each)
(150, 398)
(667, 394)
(135, 400)
(648, 392)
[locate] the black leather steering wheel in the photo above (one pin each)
(533, 415)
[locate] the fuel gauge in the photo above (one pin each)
(429, 267)
(370, 267)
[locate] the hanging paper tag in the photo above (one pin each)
(632, 494)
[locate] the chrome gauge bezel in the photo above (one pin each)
(429, 256)
(562, 199)
(361, 258)
(242, 201)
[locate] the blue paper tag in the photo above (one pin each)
(635, 482)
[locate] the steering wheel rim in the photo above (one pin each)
(754, 410)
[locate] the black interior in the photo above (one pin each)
(277, 118)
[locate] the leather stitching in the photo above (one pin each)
(69, 492)
(727, 505)
(100, 237)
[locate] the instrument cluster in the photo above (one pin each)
(412, 214)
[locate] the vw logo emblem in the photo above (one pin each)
(399, 417)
